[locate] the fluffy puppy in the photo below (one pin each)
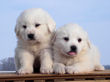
(73, 52)
(34, 28)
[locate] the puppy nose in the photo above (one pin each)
(31, 36)
(73, 48)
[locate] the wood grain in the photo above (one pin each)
(96, 74)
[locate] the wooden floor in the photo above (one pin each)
(104, 75)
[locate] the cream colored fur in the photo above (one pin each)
(27, 50)
(85, 60)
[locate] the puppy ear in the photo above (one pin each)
(16, 30)
(53, 37)
(51, 26)
(87, 40)
(89, 43)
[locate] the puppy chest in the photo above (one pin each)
(69, 62)
(34, 50)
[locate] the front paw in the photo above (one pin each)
(25, 70)
(59, 68)
(72, 69)
(46, 70)
(99, 68)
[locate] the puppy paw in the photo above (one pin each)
(76, 69)
(72, 69)
(59, 68)
(25, 70)
(99, 68)
(46, 70)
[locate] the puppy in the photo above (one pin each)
(34, 28)
(73, 52)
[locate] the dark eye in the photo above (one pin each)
(79, 39)
(66, 38)
(24, 26)
(36, 25)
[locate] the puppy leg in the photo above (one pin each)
(17, 63)
(99, 67)
(79, 68)
(97, 63)
(46, 61)
(59, 68)
(25, 61)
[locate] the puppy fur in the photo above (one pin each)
(85, 56)
(34, 28)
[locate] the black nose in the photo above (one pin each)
(31, 36)
(73, 48)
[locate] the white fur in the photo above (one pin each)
(27, 50)
(87, 58)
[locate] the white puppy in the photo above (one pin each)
(34, 29)
(73, 52)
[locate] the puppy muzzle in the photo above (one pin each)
(73, 50)
(31, 36)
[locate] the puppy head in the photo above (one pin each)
(34, 25)
(71, 40)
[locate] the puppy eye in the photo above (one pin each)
(66, 38)
(79, 39)
(36, 25)
(24, 26)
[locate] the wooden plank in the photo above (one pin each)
(39, 80)
(20, 81)
(14, 76)
(8, 81)
(79, 79)
(87, 81)
(57, 80)
(2, 80)
(99, 78)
